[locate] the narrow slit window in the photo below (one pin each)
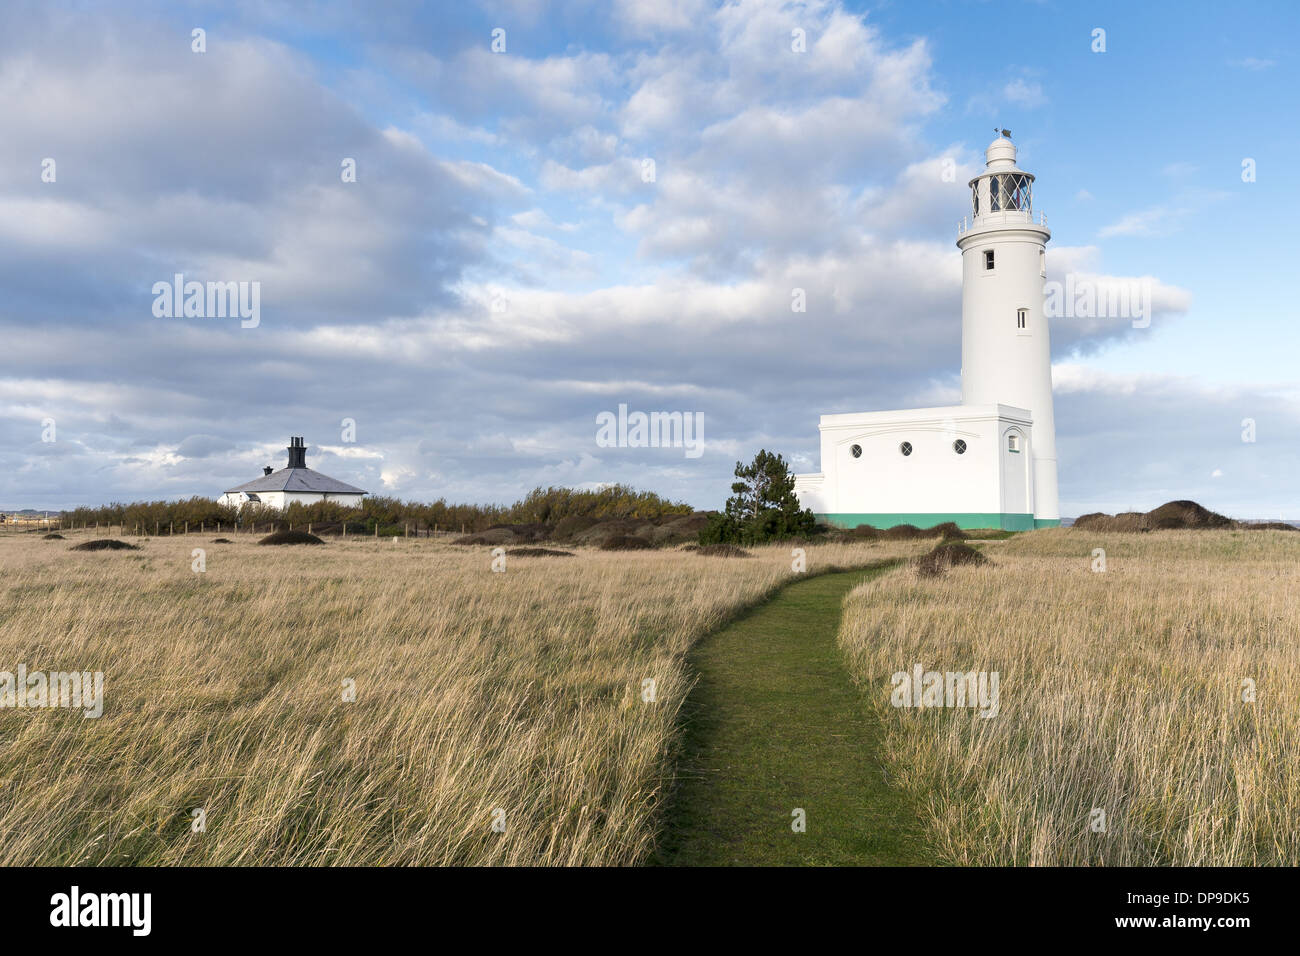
(988, 258)
(1022, 318)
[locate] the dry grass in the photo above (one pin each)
(1119, 690)
(474, 691)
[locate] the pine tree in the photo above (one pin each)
(763, 505)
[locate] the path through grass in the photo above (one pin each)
(775, 724)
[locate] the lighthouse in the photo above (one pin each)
(1006, 355)
(989, 462)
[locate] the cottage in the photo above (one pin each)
(296, 482)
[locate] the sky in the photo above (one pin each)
(613, 207)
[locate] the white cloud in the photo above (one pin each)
(1024, 93)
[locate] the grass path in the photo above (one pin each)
(773, 724)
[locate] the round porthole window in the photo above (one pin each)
(959, 447)
(856, 451)
(906, 448)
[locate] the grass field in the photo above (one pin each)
(518, 698)
(1121, 691)
(475, 692)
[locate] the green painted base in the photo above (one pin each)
(1006, 522)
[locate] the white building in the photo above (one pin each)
(296, 482)
(989, 462)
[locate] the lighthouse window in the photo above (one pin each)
(1022, 318)
(988, 259)
(1009, 191)
(856, 451)
(1013, 443)
(959, 447)
(905, 448)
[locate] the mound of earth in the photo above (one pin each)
(626, 542)
(291, 537)
(52, 536)
(1170, 515)
(724, 551)
(538, 553)
(947, 556)
(104, 544)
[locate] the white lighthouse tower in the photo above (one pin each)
(1006, 355)
(989, 462)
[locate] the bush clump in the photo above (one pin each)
(104, 544)
(291, 537)
(947, 556)
(1172, 515)
(52, 536)
(538, 553)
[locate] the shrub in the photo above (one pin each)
(946, 556)
(104, 544)
(291, 537)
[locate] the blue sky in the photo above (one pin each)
(501, 273)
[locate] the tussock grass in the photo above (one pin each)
(1120, 691)
(474, 691)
